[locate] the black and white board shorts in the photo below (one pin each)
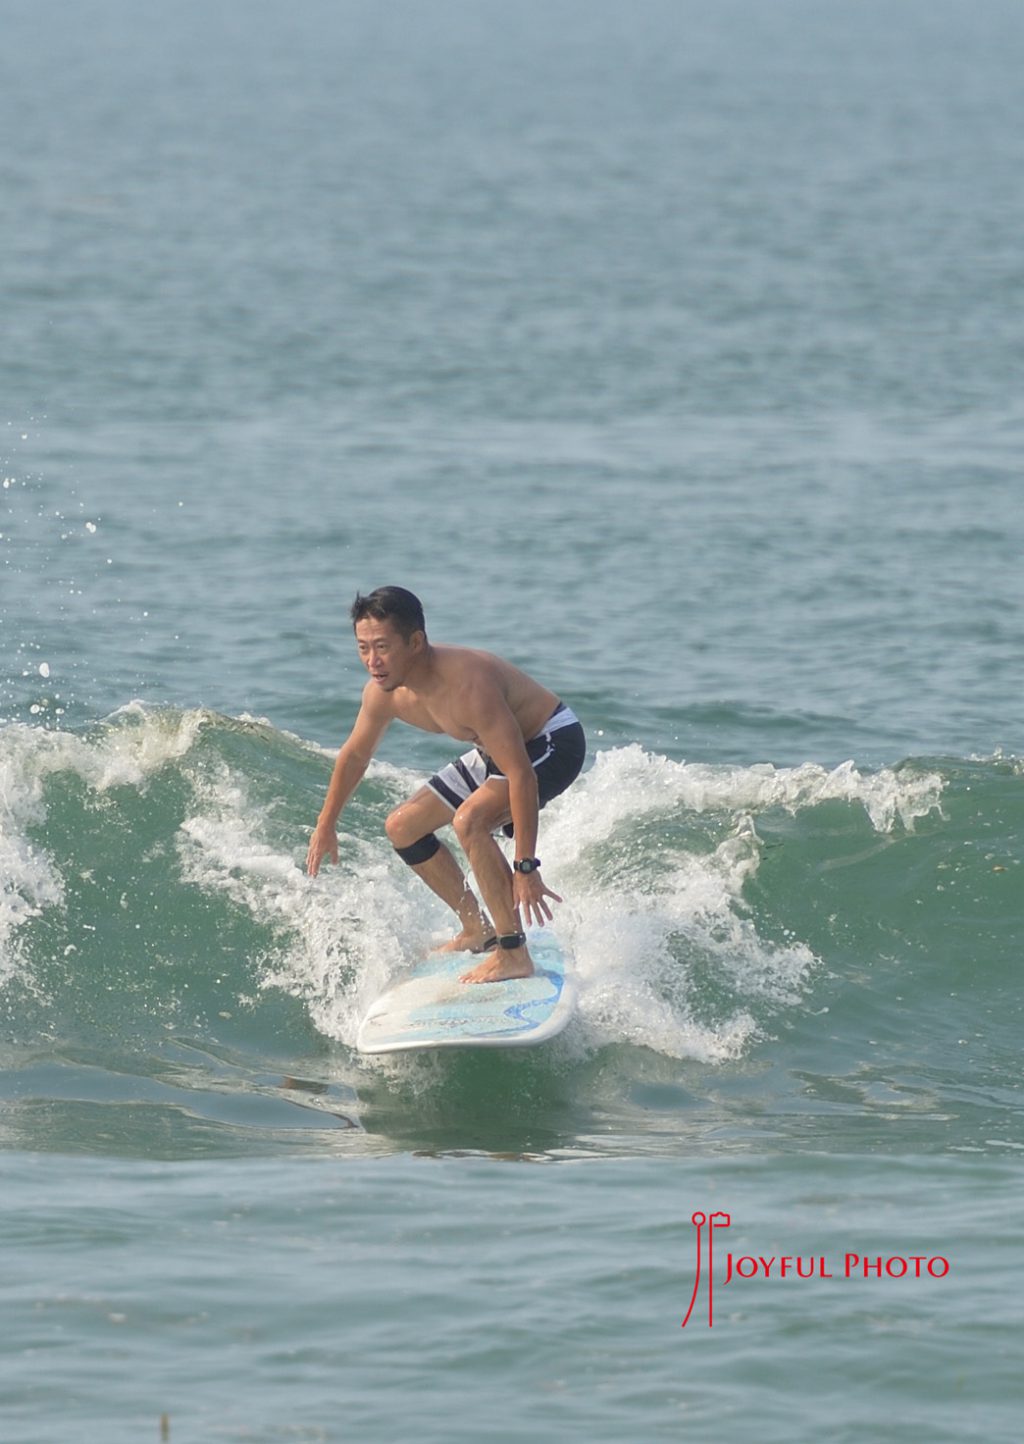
(557, 753)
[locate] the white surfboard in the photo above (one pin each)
(430, 1008)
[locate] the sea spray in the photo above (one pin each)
(660, 862)
(673, 959)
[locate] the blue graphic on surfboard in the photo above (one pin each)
(430, 1008)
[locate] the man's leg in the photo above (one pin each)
(410, 828)
(475, 823)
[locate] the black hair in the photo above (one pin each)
(391, 604)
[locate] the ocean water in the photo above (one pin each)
(674, 352)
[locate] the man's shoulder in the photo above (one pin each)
(473, 670)
(377, 703)
(466, 656)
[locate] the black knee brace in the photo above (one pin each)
(418, 852)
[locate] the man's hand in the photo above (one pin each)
(323, 843)
(530, 897)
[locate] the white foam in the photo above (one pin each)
(112, 755)
(29, 882)
(340, 935)
(656, 925)
(651, 855)
(653, 921)
(650, 783)
(116, 755)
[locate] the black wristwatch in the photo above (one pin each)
(526, 864)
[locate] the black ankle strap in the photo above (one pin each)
(512, 940)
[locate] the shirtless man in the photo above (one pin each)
(527, 748)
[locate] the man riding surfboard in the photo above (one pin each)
(527, 748)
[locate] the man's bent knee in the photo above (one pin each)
(402, 825)
(470, 823)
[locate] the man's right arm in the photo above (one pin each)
(349, 769)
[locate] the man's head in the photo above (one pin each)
(390, 633)
(394, 605)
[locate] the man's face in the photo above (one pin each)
(386, 654)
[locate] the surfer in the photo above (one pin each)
(527, 748)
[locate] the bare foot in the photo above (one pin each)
(468, 942)
(501, 964)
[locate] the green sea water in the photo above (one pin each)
(672, 352)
